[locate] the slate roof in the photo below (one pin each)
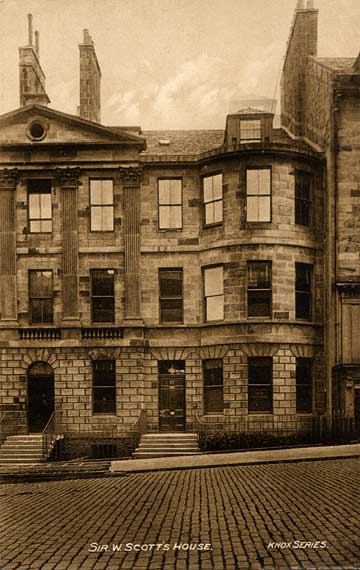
(196, 142)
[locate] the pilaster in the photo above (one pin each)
(68, 180)
(8, 305)
(131, 179)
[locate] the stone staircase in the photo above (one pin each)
(22, 449)
(166, 445)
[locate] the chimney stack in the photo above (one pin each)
(90, 78)
(302, 44)
(32, 77)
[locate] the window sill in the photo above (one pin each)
(172, 230)
(260, 413)
(216, 225)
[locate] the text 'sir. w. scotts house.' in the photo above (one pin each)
(181, 281)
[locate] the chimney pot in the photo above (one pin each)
(87, 37)
(30, 29)
(37, 43)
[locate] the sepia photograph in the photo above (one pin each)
(179, 284)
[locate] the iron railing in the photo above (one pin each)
(253, 429)
(51, 433)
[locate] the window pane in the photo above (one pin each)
(303, 306)
(264, 181)
(47, 310)
(107, 192)
(36, 311)
(104, 401)
(260, 399)
(264, 209)
(303, 399)
(259, 303)
(214, 284)
(303, 277)
(208, 189)
(35, 226)
(102, 282)
(215, 308)
(104, 373)
(34, 206)
(217, 186)
(252, 182)
(171, 310)
(175, 194)
(252, 209)
(260, 370)
(107, 218)
(170, 283)
(214, 400)
(46, 226)
(164, 191)
(176, 221)
(209, 213)
(40, 283)
(96, 219)
(95, 191)
(259, 275)
(164, 217)
(218, 211)
(45, 200)
(103, 310)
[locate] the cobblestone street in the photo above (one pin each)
(229, 516)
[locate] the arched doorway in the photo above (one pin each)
(40, 395)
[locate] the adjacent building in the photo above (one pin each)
(196, 276)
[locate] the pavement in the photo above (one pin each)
(83, 468)
(288, 515)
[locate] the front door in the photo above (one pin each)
(172, 396)
(40, 396)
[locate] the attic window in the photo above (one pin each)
(37, 131)
(164, 142)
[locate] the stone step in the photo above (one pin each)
(21, 460)
(153, 455)
(169, 446)
(14, 452)
(161, 440)
(173, 435)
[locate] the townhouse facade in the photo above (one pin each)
(197, 276)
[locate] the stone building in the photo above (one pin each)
(199, 276)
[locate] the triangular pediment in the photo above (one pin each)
(17, 128)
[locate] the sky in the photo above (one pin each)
(166, 64)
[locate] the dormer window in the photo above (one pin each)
(248, 126)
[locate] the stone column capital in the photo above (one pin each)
(68, 177)
(8, 178)
(131, 176)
